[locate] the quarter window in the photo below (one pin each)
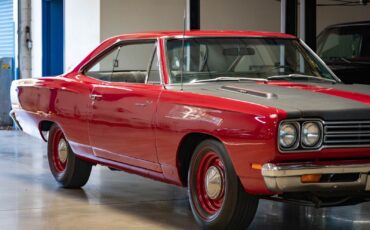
(153, 75)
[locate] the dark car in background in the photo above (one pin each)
(346, 49)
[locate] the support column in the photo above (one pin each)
(289, 16)
(193, 14)
(308, 22)
(24, 39)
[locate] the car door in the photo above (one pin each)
(124, 104)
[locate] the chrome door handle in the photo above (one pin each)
(95, 97)
(143, 104)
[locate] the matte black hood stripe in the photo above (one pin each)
(359, 97)
(307, 100)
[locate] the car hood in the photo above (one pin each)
(316, 100)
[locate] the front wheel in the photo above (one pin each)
(217, 199)
(67, 169)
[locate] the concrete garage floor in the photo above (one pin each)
(31, 199)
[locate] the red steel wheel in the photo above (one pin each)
(59, 151)
(216, 196)
(210, 183)
(69, 170)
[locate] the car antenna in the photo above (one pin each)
(182, 52)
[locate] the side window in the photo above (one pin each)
(153, 75)
(102, 70)
(127, 63)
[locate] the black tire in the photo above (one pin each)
(69, 170)
(232, 208)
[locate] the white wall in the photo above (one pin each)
(88, 22)
(337, 14)
(81, 30)
(36, 34)
(127, 16)
(265, 14)
(240, 15)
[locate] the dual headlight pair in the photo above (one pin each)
(295, 135)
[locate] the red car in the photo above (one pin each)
(233, 116)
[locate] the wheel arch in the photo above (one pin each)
(185, 151)
(44, 126)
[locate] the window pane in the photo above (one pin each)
(154, 76)
(127, 63)
(132, 63)
(103, 69)
(210, 58)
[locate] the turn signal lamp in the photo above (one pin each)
(311, 178)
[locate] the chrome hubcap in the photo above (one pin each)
(213, 182)
(62, 151)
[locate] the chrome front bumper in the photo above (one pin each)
(287, 177)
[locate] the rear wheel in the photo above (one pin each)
(66, 167)
(217, 199)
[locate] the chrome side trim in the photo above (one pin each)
(287, 177)
(309, 50)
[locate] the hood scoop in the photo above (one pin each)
(251, 92)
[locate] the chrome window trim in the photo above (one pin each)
(160, 70)
(300, 41)
(120, 42)
(180, 37)
(309, 50)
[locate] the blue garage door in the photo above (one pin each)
(6, 58)
(52, 37)
(6, 29)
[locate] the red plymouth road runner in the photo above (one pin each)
(234, 116)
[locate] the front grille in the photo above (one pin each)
(348, 133)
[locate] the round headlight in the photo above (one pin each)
(288, 135)
(311, 134)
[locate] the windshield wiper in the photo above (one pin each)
(300, 76)
(229, 79)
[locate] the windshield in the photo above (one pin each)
(260, 58)
(345, 44)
